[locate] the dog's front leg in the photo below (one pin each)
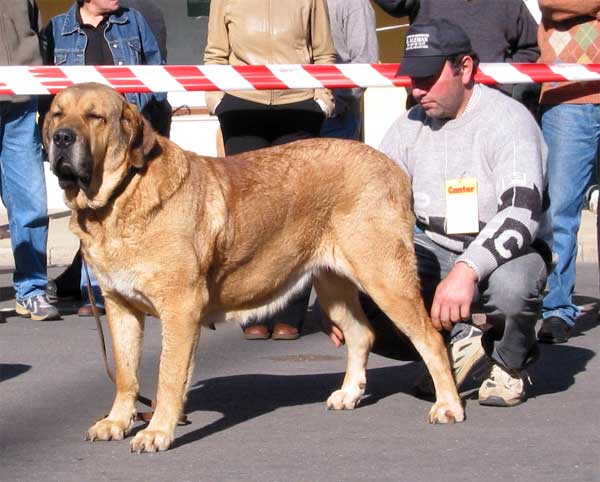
(127, 331)
(180, 334)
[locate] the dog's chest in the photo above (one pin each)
(124, 282)
(116, 274)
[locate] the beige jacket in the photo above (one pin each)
(256, 32)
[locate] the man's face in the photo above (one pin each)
(104, 6)
(443, 96)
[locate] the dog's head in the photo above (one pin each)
(93, 138)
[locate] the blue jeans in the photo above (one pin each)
(83, 286)
(344, 126)
(24, 195)
(572, 133)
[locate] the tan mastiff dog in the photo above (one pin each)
(195, 240)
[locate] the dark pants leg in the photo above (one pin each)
(512, 300)
(248, 126)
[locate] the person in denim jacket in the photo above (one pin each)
(101, 32)
(128, 37)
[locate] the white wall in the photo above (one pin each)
(382, 106)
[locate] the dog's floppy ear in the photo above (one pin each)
(142, 138)
(44, 105)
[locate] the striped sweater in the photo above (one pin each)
(570, 32)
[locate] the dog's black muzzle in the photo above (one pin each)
(63, 138)
(66, 160)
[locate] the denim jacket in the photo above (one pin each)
(128, 35)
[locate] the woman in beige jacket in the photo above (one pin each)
(258, 32)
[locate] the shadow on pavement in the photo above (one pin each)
(557, 368)
(243, 397)
(589, 315)
(12, 370)
(7, 292)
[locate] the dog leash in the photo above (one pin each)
(140, 416)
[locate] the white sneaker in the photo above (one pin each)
(37, 307)
(467, 360)
(503, 388)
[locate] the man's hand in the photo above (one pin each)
(453, 297)
(335, 334)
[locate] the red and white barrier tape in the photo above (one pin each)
(28, 80)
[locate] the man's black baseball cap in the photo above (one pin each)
(428, 45)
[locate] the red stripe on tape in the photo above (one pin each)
(329, 74)
(123, 78)
(190, 77)
(389, 71)
(484, 79)
(260, 77)
(51, 77)
(539, 71)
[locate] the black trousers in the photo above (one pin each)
(247, 125)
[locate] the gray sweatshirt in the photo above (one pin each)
(355, 41)
(497, 142)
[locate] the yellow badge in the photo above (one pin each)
(462, 208)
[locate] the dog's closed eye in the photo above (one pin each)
(93, 116)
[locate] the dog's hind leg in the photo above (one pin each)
(339, 299)
(406, 309)
(180, 333)
(127, 330)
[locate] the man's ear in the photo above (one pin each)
(142, 138)
(468, 69)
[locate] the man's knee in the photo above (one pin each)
(517, 286)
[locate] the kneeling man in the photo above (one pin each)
(477, 161)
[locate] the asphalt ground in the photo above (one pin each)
(257, 411)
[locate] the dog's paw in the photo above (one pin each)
(443, 412)
(344, 399)
(107, 429)
(151, 441)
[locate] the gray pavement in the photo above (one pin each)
(257, 409)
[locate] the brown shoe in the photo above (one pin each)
(283, 331)
(86, 310)
(256, 332)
